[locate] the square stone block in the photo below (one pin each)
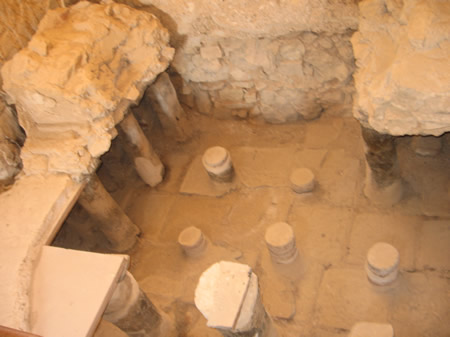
(434, 246)
(321, 231)
(421, 307)
(346, 296)
(401, 231)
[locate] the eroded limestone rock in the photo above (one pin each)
(73, 82)
(402, 51)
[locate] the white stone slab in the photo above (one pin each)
(32, 211)
(71, 289)
(221, 291)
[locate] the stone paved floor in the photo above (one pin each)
(325, 291)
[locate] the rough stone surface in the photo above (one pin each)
(302, 54)
(19, 20)
(403, 77)
(87, 78)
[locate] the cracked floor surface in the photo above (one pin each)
(325, 291)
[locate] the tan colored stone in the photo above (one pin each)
(211, 52)
(88, 80)
(302, 180)
(403, 80)
(366, 329)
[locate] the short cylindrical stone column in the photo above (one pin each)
(146, 161)
(132, 311)
(119, 230)
(383, 184)
(302, 180)
(192, 241)
(228, 296)
(382, 263)
(426, 145)
(280, 241)
(217, 162)
(368, 329)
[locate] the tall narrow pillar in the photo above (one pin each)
(383, 183)
(146, 161)
(119, 230)
(228, 296)
(132, 311)
(165, 102)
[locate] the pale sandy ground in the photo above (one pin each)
(325, 291)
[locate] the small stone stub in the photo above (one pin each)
(382, 263)
(217, 162)
(192, 241)
(302, 180)
(280, 241)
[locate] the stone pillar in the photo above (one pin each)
(280, 241)
(120, 231)
(383, 183)
(382, 263)
(132, 311)
(192, 241)
(426, 145)
(146, 161)
(228, 296)
(165, 102)
(217, 163)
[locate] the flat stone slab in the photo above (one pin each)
(71, 290)
(32, 212)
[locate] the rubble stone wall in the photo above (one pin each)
(279, 60)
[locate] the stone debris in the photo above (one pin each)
(382, 263)
(72, 84)
(302, 180)
(403, 77)
(366, 329)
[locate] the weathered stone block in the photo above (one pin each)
(403, 77)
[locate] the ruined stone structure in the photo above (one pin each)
(283, 138)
